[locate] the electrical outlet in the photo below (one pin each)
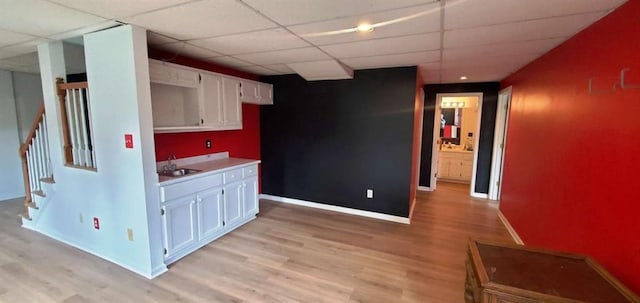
(207, 143)
(96, 223)
(369, 193)
(130, 234)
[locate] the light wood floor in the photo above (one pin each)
(288, 254)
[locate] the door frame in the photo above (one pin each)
(499, 142)
(436, 138)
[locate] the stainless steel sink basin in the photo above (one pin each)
(179, 172)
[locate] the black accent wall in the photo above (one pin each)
(329, 141)
(489, 105)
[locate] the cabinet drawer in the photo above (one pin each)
(233, 175)
(177, 190)
(468, 156)
(250, 171)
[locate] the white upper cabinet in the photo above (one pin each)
(211, 101)
(256, 92)
(266, 93)
(232, 107)
(186, 99)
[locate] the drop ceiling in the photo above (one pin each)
(484, 40)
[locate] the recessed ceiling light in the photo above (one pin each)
(463, 78)
(364, 27)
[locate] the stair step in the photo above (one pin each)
(24, 216)
(39, 193)
(48, 180)
(32, 205)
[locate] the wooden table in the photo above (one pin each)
(506, 273)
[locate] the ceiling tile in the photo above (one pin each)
(488, 62)
(408, 59)
(288, 12)
(188, 50)
(26, 47)
(9, 38)
(42, 18)
(280, 68)
(533, 47)
(384, 46)
(285, 56)
(158, 39)
(7, 54)
(407, 21)
(252, 42)
(322, 70)
(203, 19)
(521, 31)
(112, 9)
(471, 13)
(229, 61)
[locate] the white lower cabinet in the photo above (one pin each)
(204, 214)
(250, 193)
(210, 213)
(179, 224)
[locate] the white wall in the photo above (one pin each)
(74, 59)
(28, 95)
(123, 191)
(11, 184)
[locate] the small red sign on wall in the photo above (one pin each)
(128, 140)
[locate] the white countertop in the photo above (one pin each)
(207, 168)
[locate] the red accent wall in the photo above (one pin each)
(418, 113)
(572, 161)
(244, 143)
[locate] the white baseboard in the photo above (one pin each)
(160, 269)
(512, 231)
(480, 195)
(424, 188)
(339, 209)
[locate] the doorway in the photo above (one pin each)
(499, 143)
(456, 138)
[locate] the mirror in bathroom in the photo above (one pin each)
(450, 125)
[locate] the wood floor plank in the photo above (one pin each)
(288, 254)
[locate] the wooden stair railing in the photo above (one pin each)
(34, 153)
(73, 99)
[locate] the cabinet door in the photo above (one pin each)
(233, 201)
(210, 213)
(211, 100)
(249, 92)
(266, 93)
(455, 169)
(232, 106)
(179, 223)
(250, 192)
(443, 167)
(466, 170)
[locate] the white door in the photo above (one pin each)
(232, 106)
(210, 213)
(179, 222)
(499, 141)
(211, 100)
(233, 201)
(250, 192)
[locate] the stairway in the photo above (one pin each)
(39, 201)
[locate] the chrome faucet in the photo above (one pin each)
(170, 166)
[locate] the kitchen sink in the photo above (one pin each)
(179, 172)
